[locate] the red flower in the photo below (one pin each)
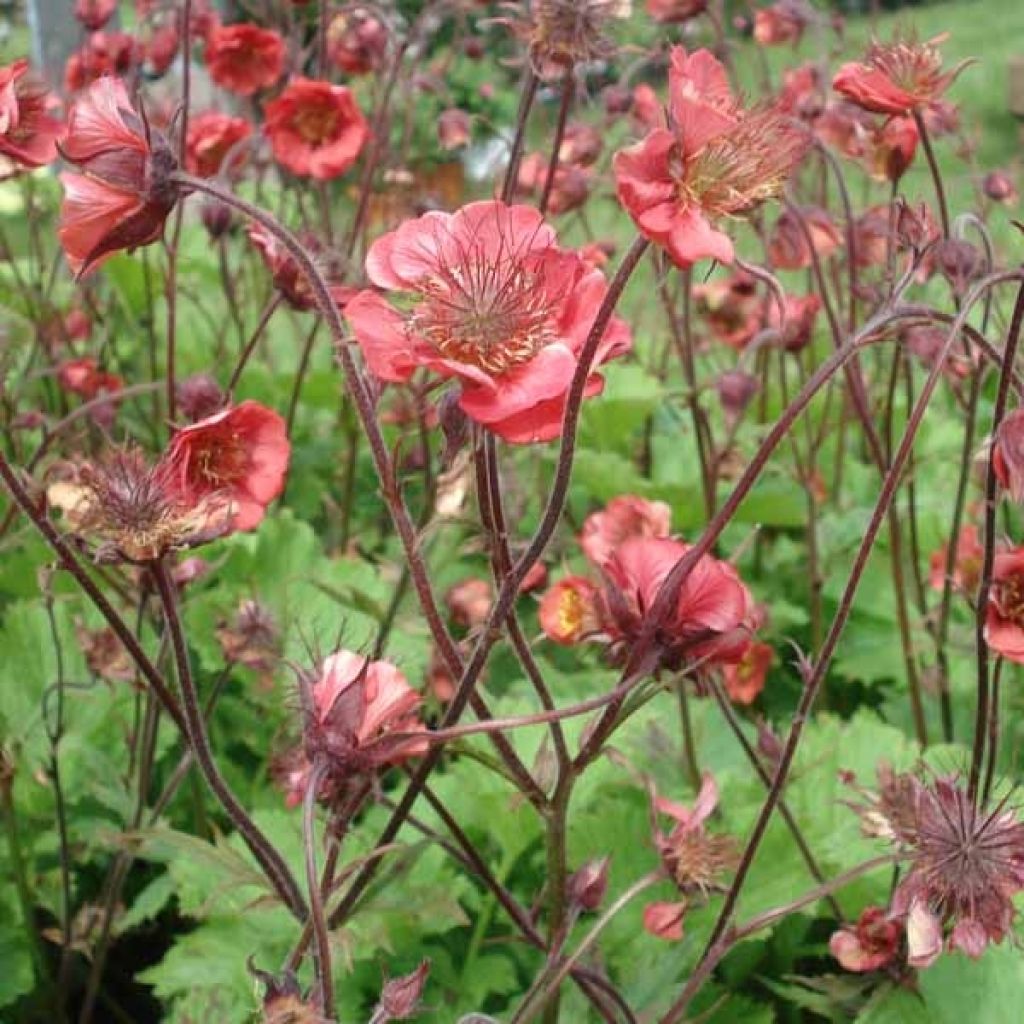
(315, 128)
(623, 517)
(83, 377)
(675, 12)
(244, 58)
(712, 616)
(211, 137)
(469, 602)
(453, 129)
(715, 162)
(1008, 454)
(645, 107)
(581, 144)
(162, 47)
(802, 93)
(896, 78)
(664, 920)
(28, 134)
(102, 53)
(569, 189)
(94, 14)
(357, 42)
(1004, 618)
(801, 312)
(731, 307)
(498, 306)
(873, 943)
(966, 564)
(788, 245)
(892, 148)
(241, 452)
(744, 679)
(568, 610)
(124, 194)
(783, 22)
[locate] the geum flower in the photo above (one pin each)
(212, 138)
(897, 77)
(710, 621)
(1004, 617)
(714, 161)
(130, 510)
(625, 516)
(245, 58)
(240, 453)
(362, 717)
(694, 859)
(125, 191)
(871, 944)
(493, 302)
(967, 562)
(965, 863)
(1008, 454)
(316, 129)
(28, 133)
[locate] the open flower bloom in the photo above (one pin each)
(241, 453)
(1004, 617)
(244, 58)
(711, 619)
(125, 192)
(897, 77)
(966, 562)
(212, 136)
(568, 610)
(964, 863)
(715, 161)
(101, 53)
(695, 859)
(357, 42)
(494, 303)
(363, 718)
(871, 944)
(744, 679)
(316, 129)
(1008, 454)
(623, 517)
(28, 133)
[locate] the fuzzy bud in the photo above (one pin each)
(400, 997)
(587, 887)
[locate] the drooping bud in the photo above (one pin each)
(998, 186)
(400, 997)
(1008, 454)
(736, 389)
(588, 885)
(199, 396)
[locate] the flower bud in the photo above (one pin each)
(400, 997)
(588, 885)
(199, 396)
(959, 261)
(998, 186)
(735, 389)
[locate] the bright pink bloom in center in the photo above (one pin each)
(496, 304)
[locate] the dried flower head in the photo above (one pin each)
(563, 34)
(132, 510)
(965, 862)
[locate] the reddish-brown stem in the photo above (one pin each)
(568, 88)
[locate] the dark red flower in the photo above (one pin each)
(240, 453)
(788, 243)
(245, 58)
(211, 137)
(999, 187)
(892, 148)
(316, 129)
(28, 133)
(286, 275)
(1008, 454)
(124, 193)
(897, 77)
(801, 313)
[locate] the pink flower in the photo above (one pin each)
(241, 452)
(124, 193)
(94, 14)
(675, 12)
(716, 161)
(1008, 454)
(788, 243)
(469, 602)
(245, 58)
(28, 134)
(665, 920)
(871, 944)
(744, 679)
(361, 716)
(568, 610)
(801, 313)
(316, 129)
(966, 564)
(1004, 619)
(623, 517)
(495, 304)
(211, 137)
(711, 619)
(102, 53)
(781, 23)
(892, 148)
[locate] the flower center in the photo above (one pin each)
(316, 124)
(221, 460)
(1010, 599)
(494, 314)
